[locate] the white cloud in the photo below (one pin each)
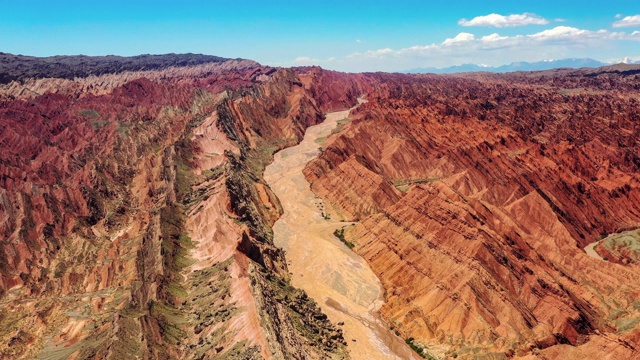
(500, 21)
(374, 53)
(493, 37)
(571, 34)
(627, 21)
(459, 39)
(493, 49)
(359, 41)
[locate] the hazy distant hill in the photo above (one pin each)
(515, 66)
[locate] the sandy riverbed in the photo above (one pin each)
(591, 250)
(339, 280)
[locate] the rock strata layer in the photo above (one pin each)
(475, 196)
(135, 222)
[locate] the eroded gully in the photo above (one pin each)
(338, 279)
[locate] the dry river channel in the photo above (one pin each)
(338, 279)
(591, 250)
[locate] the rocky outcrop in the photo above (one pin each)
(476, 196)
(214, 77)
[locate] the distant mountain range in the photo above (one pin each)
(516, 66)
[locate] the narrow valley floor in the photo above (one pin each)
(338, 279)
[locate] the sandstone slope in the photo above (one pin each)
(475, 197)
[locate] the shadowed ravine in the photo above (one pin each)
(339, 280)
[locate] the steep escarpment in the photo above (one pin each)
(135, 222)
(262, 121)
(475, 198)
(90, 204)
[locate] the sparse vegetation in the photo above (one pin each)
(340, 126)
(98, 124)
(573, 91)
(302, 312)
(259, 157)
(627, 324)
(124, 129)
(419, 349)
(339, 233)
(624, 245)
(90, 113)
(404, 184)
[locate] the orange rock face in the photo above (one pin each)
(475, 198)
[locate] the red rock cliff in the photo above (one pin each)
(475, 197)
(135, 222)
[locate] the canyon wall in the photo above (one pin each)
(475, 196)
(135, 222)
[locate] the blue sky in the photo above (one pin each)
(349, 36)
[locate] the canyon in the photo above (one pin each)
(327, 270)
(140, 216)
(474, 202)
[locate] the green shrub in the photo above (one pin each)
(419, 349)
(339, 233)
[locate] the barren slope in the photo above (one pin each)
(135, 222)
(475, 199)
